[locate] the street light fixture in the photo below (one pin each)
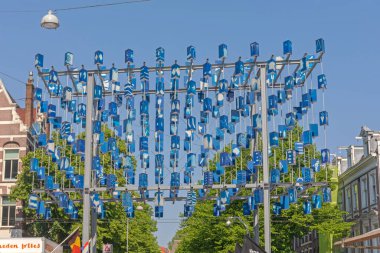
(50, 21)
(138, 208)
(229, 223)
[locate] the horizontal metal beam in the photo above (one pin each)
(183, 187)
(133, 188)
(168, 199)
(223, 65)
(194, 67)
(168, 91)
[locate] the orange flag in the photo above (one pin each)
(74, 243)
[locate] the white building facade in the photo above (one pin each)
(358, 192)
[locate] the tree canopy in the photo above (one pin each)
(202, 232)
(112, 229)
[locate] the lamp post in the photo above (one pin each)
(229, 223)
(264, 111)
(127, 234)
(50, 20)
(138, 208)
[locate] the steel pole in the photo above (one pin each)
(378, 180)
(245, 226)
(88, 161)
(127, 234)
(264, 113)
(256, 225)
(94, 217)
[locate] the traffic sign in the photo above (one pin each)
(107, 248)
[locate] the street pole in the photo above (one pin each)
(88, 161)
(264, 113)
(127, 234)
(94, 217)
(241, 221)
(378, 177)
(255, 222)
(245, 226)
(256, 226)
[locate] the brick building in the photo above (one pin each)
(14, 144)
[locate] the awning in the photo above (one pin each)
(349, 242)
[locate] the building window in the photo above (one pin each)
(366, 243)
(340, 199)
(372, 188)
(8, 212)
(355, 197)
(10, 164)
(375, 240)
(364, 192)
(348, 199)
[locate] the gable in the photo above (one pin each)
(11, 115)
(5, 99)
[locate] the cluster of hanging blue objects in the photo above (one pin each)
(201, 119)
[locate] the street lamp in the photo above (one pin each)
(127, 234)
(229, 223)
(138, 208)
(50, 21)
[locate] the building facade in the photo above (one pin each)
(14, 144)
(358, 192)
(307, 244)
(314, 241)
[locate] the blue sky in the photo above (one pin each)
(350, 29)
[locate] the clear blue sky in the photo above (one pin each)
(350, 29)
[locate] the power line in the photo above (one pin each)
(100, 5)
(12, 77)
(76, 8)
(21, 11)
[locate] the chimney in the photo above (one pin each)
(29, 119)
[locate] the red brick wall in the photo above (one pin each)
(12, 132)
(6, 116)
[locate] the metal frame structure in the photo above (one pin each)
(89, 142)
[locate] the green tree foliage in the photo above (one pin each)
(293, 223)
(140, 229)
(203, 232)
(112, 229)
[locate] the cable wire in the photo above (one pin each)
(12, 77)
(76, 8)
(99, 5)
(21, 11)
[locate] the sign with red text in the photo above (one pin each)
(22, 245)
